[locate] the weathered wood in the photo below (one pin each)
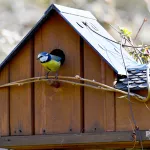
(32, 87)
(20, 96)
(103, 140)
(57, 110)
(97, 103)
(4, 102)
(141, 114)
(109, 100)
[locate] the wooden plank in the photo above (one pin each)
(20, 96)
(99, 105)
(4, 102)
(94, 100)
(110, 146)
(32, 87)
(110, 101)
(141, 114)
(105, 139)
(82, 88)
(57, 110)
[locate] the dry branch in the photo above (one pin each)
(76, 81)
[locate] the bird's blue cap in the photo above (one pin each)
(42, 54)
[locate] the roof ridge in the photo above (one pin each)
(70, 10)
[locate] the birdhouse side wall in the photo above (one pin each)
(4, 102)
(16, 101)
(140, 111)
(21, 96)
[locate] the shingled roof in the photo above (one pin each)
(87, 26)
(137, 78)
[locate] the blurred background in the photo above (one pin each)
(17, 17)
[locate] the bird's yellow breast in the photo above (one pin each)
(52, 65)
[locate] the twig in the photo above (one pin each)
(133, 134)
(73, 83)
(123, 45)
(87, 83)
(115, 28)
(131, 44)
(134, 144)
(147, 106)
(134, 50)
(140, 28)
(38, 79)
(131, 124)
(130, 104)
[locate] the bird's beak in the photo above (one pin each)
(38, 58)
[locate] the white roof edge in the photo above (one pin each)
(74, 11)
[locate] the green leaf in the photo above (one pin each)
(125, 32)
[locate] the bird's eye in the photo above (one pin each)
(40, 57)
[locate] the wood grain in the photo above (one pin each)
(110, 100)
(57, 110)
(140, 112)
(99, 105)
(20, 96)
(4, 102)
(103, 140)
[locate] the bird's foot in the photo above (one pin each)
(56, 83)
(47, 75)
(56, 76)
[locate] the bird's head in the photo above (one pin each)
(44, 57)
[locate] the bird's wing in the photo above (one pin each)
(56, 58)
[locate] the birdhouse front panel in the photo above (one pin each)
(57, 110)
(44, 109)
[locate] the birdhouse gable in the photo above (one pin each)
(86, 25)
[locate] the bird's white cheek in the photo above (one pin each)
(44, 58)
(39, 55)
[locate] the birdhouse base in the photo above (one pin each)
(83, 140)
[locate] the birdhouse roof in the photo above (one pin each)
(137, 78)
(87, 26)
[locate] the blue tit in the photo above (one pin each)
(52, 61)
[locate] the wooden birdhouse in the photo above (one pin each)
(88, 109)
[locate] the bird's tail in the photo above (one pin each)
(59, 53)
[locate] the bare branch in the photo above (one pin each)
(75, 81)
(140, 28)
